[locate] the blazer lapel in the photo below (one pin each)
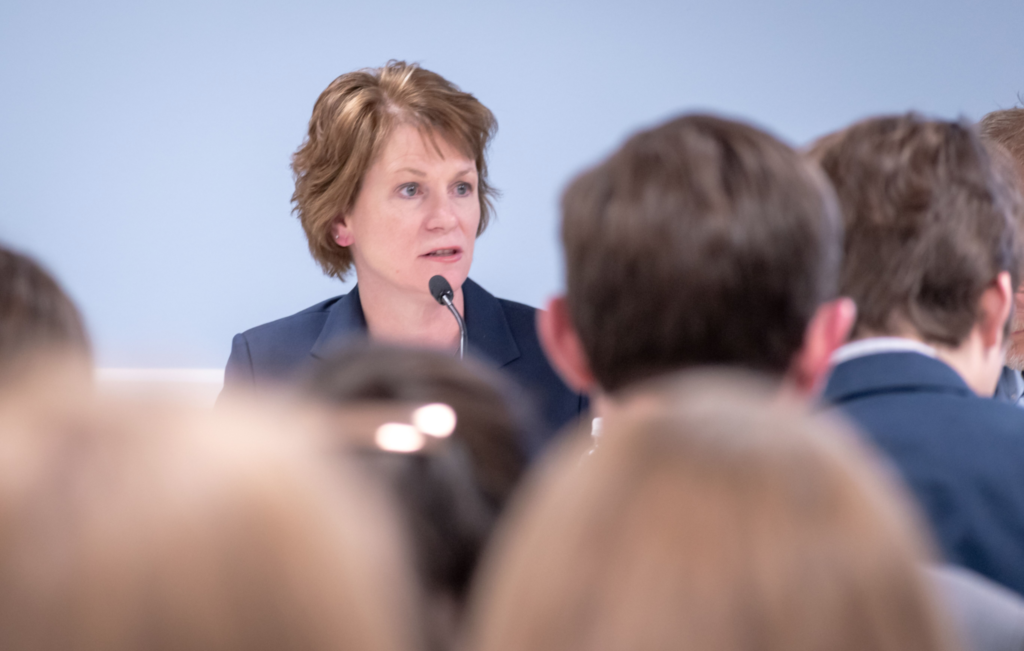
(345, 321)
(486, 326)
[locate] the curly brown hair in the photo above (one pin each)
(352, 121)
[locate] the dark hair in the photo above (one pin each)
(930, 222)
(452, 494)
(35, 313)
(701, 241)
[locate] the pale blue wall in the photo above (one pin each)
(144, 151)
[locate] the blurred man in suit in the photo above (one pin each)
(1005, 131)
(932, 259)
(706, 241)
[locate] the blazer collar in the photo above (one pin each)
(345, 321)
(892, 373)
(486, 325)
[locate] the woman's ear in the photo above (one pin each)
(340, 232)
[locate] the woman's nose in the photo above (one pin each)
(441, 214)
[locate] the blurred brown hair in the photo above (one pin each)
(711, 517)
(493, 419)
(930, 222)
(1006, 129)
(353, 118)
(151, 528)
(35, 313)
(451, 493)
(701, 241)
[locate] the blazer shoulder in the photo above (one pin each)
(519, 315)
(308, 320)
(1001, 418)
(278, 349)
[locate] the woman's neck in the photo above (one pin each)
(404, 317)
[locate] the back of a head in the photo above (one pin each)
(36, 316)
(150, 528)
(701, 241)
(494, 421)
(1006, 129)
(930, 222)
(451, 493)
(711, 517)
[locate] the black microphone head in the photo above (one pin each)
(439, 288)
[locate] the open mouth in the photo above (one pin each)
(442, 253)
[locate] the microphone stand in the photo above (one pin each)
(462, 324)
(442, 292)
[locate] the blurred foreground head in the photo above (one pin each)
(37, 319)
(450, 492)
(703, 241)
(711, 517)
(127, 529)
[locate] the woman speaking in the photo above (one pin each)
(392, 180)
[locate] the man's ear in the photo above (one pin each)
(562, 345)
(994, 309)
(828, 329)
(340, 232)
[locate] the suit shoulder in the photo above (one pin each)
(519, 315)
(1002, 418)
(310, 319)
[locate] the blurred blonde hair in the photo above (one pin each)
(709, 518)
(351, 122)
(154, 528)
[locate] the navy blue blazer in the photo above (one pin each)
(961, 455)
(502, 332)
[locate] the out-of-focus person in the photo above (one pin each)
(148, 528)
(1005, 129)
(712, 517)
(450, 493)
(392, 182)
(933, 253)
(700, 242)
(707, 242)
(39, 324)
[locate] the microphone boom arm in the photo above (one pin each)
(462, 324)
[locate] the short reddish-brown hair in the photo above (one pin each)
(352, 120)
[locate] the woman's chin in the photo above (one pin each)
(454, 268)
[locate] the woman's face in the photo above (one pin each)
(416, 214)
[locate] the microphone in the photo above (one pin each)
(443, 294)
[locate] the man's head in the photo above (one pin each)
(932, 250)
(1005, 130)
(703, 241)
(36, 317)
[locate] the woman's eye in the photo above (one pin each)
(463, 189)
(409, 190)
